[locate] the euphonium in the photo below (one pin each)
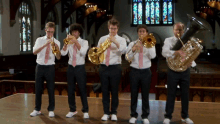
(96, 54)
(190, 46)
(54, 50)
(148, 41)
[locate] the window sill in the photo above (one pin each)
(132, 25)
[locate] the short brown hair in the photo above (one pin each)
(182, 25)
(142, 26)
(50, 25)
(114, 22)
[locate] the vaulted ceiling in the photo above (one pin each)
(97, 11)
(209, 10)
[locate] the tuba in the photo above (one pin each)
(188, 44)
(148, 41)
(96, 54)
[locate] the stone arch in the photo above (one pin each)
(33, 9)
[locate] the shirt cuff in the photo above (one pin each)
(63, 53)
(193, 64)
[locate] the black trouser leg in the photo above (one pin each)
(134, 85)
(105, 88)
(49, 76)
(71, 88)
(115, 77)
(80, 73)
(184, 87)
(172, 81)
(39, 82)
(145, 87)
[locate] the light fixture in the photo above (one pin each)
(95, 7)
(214, 4)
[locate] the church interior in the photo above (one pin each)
(23, 21)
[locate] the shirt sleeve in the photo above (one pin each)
(58, 43)
(84, 48)
(100, 41)
(166, 50)
(151, 52)
(129, 52)
(63, 53)
(36, 45)
(123, 46)
(193, 64)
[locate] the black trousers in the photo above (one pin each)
(173, 79)
(110, 78)
(140, 78)
(77, 74)
(44, 72)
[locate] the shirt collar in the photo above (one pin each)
(175, 38)
(79, 39)
(115, 35)
(45, 37)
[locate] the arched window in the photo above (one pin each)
(152, 12)
(25, 23)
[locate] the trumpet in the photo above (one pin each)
(148, 41)
(68, 39)
(54, 50)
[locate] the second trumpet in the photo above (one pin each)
(68, 39)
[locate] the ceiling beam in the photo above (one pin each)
(46, 7)
(71, 9)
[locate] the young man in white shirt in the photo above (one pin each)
(110, 70)
(76, 72)
(175, 78)
(140, 74)
(45, 69)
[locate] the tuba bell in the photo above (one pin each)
(148, 41)
(96, 54)
(188, 44)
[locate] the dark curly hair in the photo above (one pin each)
(76, 27)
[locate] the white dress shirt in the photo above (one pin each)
(168, 45)
(148, 54)
(115, 53)
(80, 54)
(41, 55)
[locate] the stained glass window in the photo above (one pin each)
(137, 11)
(25, 24)
(153, 12)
